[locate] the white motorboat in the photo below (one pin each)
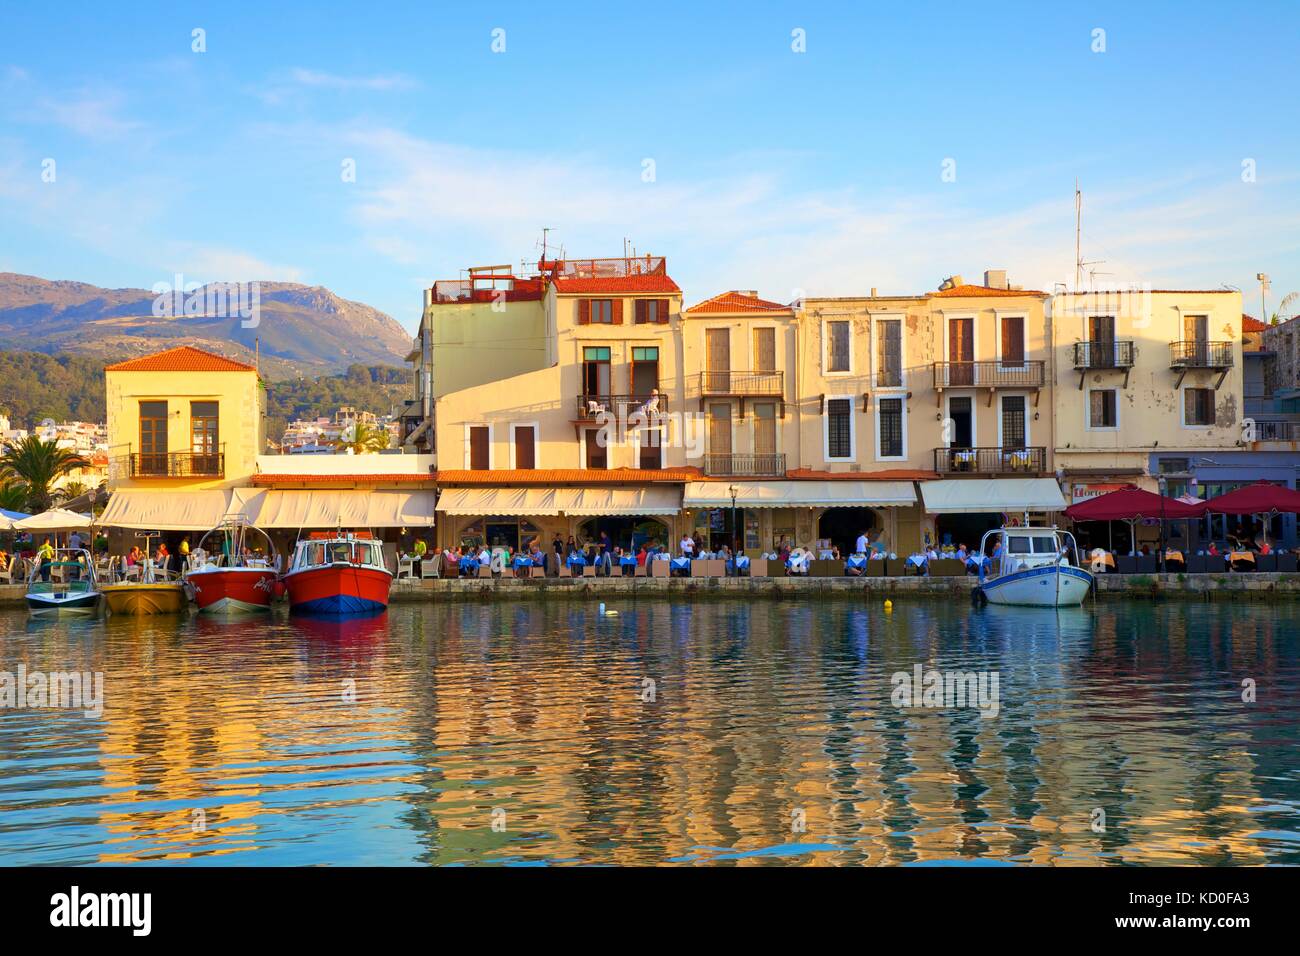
(1034, 567)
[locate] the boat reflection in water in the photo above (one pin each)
(393, 739)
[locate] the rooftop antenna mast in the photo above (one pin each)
(1078, 227)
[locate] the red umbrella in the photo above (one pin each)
(1130, 504)
(1261, 498)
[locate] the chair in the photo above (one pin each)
(564, 571)
(658, 568)
(429, 567)
(536, 572)
(1266, 562)
(15, 567)
(1147, 564)
(588, 570)
(406, 568)
(947, 568)
(1126, 563)
(485, 571)
(825, 568)
(639, 571)
(1199, 563)
(1288, 562)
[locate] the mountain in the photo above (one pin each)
(302, 330)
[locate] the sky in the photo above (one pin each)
(790, 148)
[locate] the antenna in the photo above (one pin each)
(1078, 226)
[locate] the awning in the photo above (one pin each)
(798, 494)
(341, 508)
(972, 495)
(56, 519)
(166, 510)
(555, 501)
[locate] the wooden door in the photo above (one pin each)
(961, 351)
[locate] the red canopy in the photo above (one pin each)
(1129, 504)
(1259, 498)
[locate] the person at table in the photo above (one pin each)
(863, 543)
(878, 547)
(643, 554)
(783, 550)
(962, 553)
(162, 554)
(575, 559)
(855, 565)
(45, 554)
(687, 546)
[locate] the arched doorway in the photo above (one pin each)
(843, 525)
(626, 531)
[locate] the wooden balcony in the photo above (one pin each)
(1022, 462)
(744, 465)
(176, 464)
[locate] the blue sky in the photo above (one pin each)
(817, 172)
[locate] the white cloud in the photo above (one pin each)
(334, 81)
(93, 113)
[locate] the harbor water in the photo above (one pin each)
(722, 732)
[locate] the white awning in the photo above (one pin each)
(1012, 495)
(56, 519)
(799, 494)
(556, 501)
(341, 508)
(157, 510)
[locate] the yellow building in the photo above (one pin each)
(183, 419)
(1141, 374)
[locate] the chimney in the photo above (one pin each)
(751, 293)
(995, 278)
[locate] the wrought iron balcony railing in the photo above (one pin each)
(990, 461)
(176, 464)
(1288, 431)
(995, 374)
(1103, 354)
(1200, 354)
(622, 407)
(738, 382)
(744, 465)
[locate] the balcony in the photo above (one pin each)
(1103, 355)
(1200, 354)
(177, 464)
(1279, 431)
(742, 383)
(590, 407)
(995, 374)
(990, 461)
(744, 466)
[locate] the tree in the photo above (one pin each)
(362, 437)
(1280, 314)
(37, 465)
(13, 495)
(70, 489)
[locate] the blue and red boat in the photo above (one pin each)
(338, 573)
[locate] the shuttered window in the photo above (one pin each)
(837, 346)
(525, 447)
(891, 427)
(765, 350)
(596, 452)
(765, 428)
(1102, 408)
(478, 448)
(650, 310)
(1198, 406)
(1013, 421)
(889, 353)
(1013, 340)
(839, 428)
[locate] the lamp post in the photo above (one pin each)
(731, 490)
(1162, 483)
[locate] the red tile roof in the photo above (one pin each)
(185, 358)
(733, 302)
(889, 474)
(653, 282)
(401, 478)
(1251, 324)
(981, 291)
(564, 476)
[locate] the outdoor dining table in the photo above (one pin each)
(856, 563)
(468, 564)
(1245, 557)
(680, 564)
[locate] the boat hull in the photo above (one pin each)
(1050, 586)
(139, 600)
(232, 590)
(59, 604)
(338, 589)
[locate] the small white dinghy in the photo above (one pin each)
(65, 586)
(1034, 567)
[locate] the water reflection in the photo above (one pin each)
(522, 733)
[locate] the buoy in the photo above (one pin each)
(602, 607)
(889, 605)
(611, 613)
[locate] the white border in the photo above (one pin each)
(892, 396)
(1088, 426)
(537, 442)
(826, 430)
(901, 319)
(826, 351)
(469, 459)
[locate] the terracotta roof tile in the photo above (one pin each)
(653, 282)
(185, 358)
(564, 476)
(733, 302)
(982, 291)
(401, 478)
(1251, 324)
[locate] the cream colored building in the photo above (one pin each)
(1141, 375)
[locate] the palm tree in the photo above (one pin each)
(1280, 314)
(13, 495)
(37, 465)
(362, 437)
(69, 490)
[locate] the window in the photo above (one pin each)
(765, 350)
(650, 452)
(720, 428)
(765, 428)
(889, 426)
(480, 447)
(889, 353)
(525, 446)
(1013, 421)
(1103, 409)
(602, 311)
(1018, 545)
(153, 438)
(597, 453)
(1198, 407)
(204, 434)
(651, 310)
(839, 428)
(645, 370)
(1012, 330)
(595, 370)
(838, 355)
(1174, 466)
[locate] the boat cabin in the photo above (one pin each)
(355, 549)
(1015, 548)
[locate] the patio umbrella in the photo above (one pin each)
(7, 519)
(1261, 498)
(1132, 504)
(56, 519)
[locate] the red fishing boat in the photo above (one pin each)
(338, 573)
(232, 570)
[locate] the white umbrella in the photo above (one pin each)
(56, 519)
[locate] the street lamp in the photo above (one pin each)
(731, 490)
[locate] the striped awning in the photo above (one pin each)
(987, 495)
(800, 494)
(556, 501)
